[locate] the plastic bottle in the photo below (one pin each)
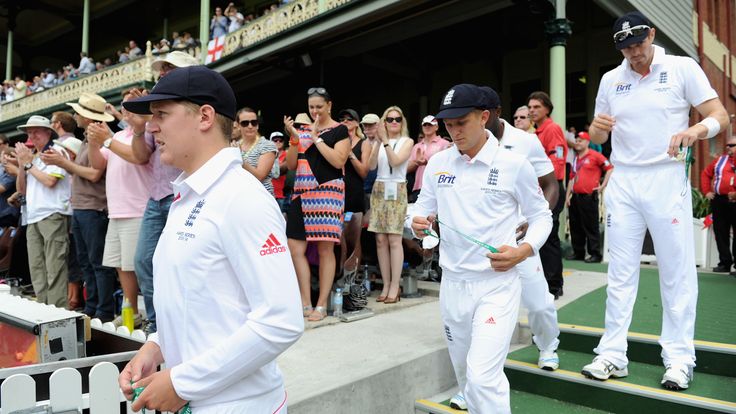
(127, 315)
(337, 303)
(366, 279)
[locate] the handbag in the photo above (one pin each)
(8, 236)
(356, 297)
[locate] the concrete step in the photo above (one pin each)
(639, 392)
(521, 402)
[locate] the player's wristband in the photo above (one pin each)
(712, 125)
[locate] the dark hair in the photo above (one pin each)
(319, 91)
(246, 109)
(66, 119)
(543, 98)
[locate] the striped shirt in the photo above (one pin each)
(251, 156)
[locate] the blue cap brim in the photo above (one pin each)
(454, 112)
(631, 40)
(142, 105)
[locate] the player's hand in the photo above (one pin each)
(685, 139)
(711, 195)
(521, 231)
(603, 122)
(419, 224)
(142, 365)
(508, 257)
(159, 393)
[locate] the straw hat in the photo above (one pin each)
(92, 106)
(176, 58)
(302, 118)
(72, 144)
(38, 121)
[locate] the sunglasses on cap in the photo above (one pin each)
(390, 119)
(247, 122)
(622, 35)
(520, 117)
(277, 138)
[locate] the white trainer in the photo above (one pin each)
(602, 369)
(458, 402)
(677, 377)
(548, 360)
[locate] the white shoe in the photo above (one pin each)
(677, 377)
(458, 402)
(602, 369)
(548, 360)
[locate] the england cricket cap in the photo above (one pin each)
(197, 84)
(460, 100)
(493, 101)
(630, 28)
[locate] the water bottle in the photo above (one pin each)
(127, 315)
(366, 279)
(337, 303)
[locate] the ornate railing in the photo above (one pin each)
(283, 18)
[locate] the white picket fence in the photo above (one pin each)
(18, 392)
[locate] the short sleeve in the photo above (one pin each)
(601, 100)
(697, 85)
(335, 135)
(105, 153)
(539, 160)
(268, 146)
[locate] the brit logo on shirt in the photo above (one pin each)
(663, 77)
(189, 222)
(493, 177)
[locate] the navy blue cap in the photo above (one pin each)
(460, 100)
(493, 101)
(198, 84)
(630, 28)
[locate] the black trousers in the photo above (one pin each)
(584, 228)
(724, 219)
(551, 253)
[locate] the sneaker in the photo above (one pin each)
(548, 360)
(458, 402)
(137, 321)
(677, 377)
(602, 369)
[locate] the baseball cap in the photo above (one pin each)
(350, 112)
(584, 135)
(276, 134)
(460, 100)
(370, 119)
(630, 28)
(493, 100)
(198, 84)
(429, 119)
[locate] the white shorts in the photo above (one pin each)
(120, 243)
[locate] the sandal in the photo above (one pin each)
(307, 310)
(319, 313)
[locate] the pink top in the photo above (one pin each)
(128, 185)
(436, 145)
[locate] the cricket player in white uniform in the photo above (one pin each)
(479, 298)
(645, 104)
(226, 297)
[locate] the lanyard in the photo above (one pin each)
(390, 168)
(465, 236)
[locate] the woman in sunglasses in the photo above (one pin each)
(390, 154)
(258, 153)
(356, 169)
(318, 153)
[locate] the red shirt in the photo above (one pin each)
(555, 145)
(278, 183)
(718, 177)
(587, 170)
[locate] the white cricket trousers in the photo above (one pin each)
(273, 402)
(658, 198)
(479, 317)
(540, 303)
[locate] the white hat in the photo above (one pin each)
(92, 106)
(175, 58)
(276, 134)
(38, 121)
(429, 119)
(72, 144)
(370, 119)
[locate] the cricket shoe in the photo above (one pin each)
(602, 369)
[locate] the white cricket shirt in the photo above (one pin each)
(528, 146)
(650, 109)
(226, 295)
(482, 197)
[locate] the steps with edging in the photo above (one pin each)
(521, 402)
(641, 389)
